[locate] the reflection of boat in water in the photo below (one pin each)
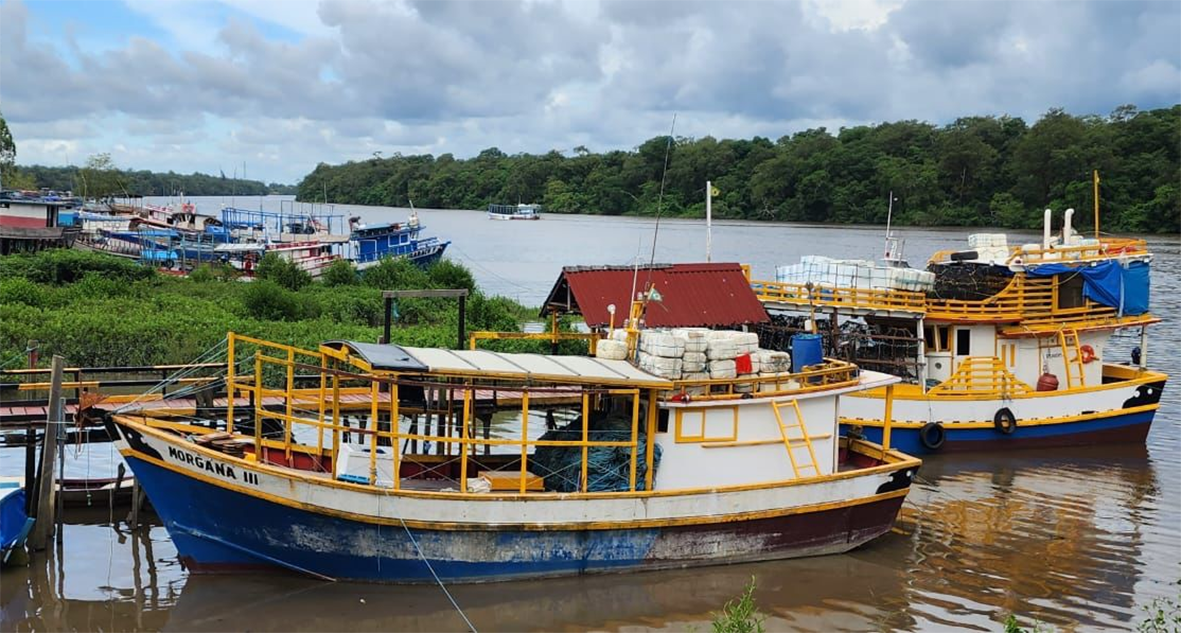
(1001, 347)
(642, 476)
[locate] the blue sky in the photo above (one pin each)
(281, 85)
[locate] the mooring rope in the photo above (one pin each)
(471, 627)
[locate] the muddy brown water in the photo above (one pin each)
(1079, 539)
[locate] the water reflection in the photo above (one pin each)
(1063, 536)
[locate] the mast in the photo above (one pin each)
(1095, 184)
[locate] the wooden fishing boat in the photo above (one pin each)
(1008, 348)
(514, 211)
(370, 243)
(400, 464)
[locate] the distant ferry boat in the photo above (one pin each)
(514, 212)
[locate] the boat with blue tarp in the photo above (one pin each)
(1000, 346)
(14, 519)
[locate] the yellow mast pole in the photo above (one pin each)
(1095, 183)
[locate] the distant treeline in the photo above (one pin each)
(976, 171)
(120, 182)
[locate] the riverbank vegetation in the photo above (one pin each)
(99, 177)
(99, 310)
(975, 171)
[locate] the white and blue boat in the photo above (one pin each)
(514, 211)
(410, 465)
(370, 243)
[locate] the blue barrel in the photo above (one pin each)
(806, 349)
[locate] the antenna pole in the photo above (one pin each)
(708, 220)
(889, 217)
(1095, 181)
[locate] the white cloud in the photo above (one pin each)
(285, 85)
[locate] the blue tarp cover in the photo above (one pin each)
(1108, 283)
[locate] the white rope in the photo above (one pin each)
(471, 627)
(184, 372)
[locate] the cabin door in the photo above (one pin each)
(939, 352)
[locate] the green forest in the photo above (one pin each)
(112, 181)
(976, 171)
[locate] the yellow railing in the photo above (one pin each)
(863, 298)
(1106, 249)
(981, 376)
(832, 374)
(285, 403)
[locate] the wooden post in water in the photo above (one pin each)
(47, 482)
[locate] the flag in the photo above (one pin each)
(713, 192)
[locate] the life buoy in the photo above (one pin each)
(1005, 421)
(1086, 353)
(932, 435)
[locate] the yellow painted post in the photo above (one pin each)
(653, 421)
(289, 396)
(631, 479)
(373, 431)
(467, 412)
(395, 432)
(524, 438)
(1095, 175)
(888, 421)
(585, 434)
(320, 405)
(258, 410)
(335, 414)
(230, 385)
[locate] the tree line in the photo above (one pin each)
(99, 178)
(976, 171)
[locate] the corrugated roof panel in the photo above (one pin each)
(535, 366)
(709, 295)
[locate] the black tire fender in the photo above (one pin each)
(932, 435)
(1005, 421)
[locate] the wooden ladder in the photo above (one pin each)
(788, 440)
(1068, 339)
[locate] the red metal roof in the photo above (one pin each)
(692, 295)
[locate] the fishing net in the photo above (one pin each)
(968, 281)
(608, 467)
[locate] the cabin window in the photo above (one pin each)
(662, 421)
(938, 338)
(715, 424)
(963, 342)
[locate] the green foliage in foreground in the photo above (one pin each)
(99, 310)
(740, 615)
(975, 171)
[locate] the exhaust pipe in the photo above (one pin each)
(1067, 229)
(1046, 219)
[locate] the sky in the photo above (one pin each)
(273, 87)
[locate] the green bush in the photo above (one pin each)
(448, 274)
(281, 271)
(339, 273)
(63, 266)
(266, 300)
(396, 274)
(740, 615)
(20, 290)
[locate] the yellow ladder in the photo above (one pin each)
(1068, 339)
(796, 466)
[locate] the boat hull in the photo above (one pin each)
(1118, 428)
(220, 530)
(1114, 413)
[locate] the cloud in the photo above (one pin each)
(285, 85)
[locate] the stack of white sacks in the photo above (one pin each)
(701, 354)
(990, 247)
(826, 272)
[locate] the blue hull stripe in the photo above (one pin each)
(1130, 427)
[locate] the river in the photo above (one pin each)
(1079, 539)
